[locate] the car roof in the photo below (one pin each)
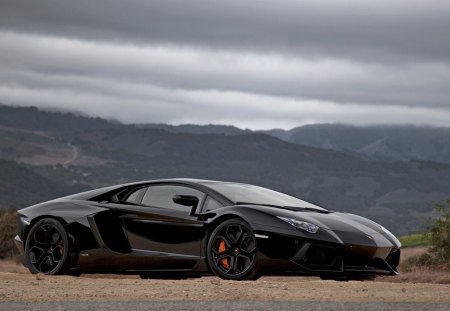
(99, 191)
(181, 180)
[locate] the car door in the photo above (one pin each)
(161, 227)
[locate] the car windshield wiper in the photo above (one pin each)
(291, 208)
(262, 204)
(307, 209)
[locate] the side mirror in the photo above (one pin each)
(114, 199)
(187, 200)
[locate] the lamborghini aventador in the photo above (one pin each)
(180, 228)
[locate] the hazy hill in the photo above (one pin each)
(397, 143)
(21, 186)
(30, 118)
(75, 151)
(196, 129)
(387, 143)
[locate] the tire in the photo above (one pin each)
(47, 248)
(232, 251)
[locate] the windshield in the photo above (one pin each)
(243, 193)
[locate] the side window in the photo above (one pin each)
(161, 196)
(211, 204)
(135, 196)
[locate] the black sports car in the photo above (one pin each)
(186, 227)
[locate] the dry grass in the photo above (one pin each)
(12, 266)
(8, 221)
(412, 251)
(424, 275)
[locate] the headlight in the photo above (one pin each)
(308, 227)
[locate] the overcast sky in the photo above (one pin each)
(254, 64)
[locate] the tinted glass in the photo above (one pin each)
(162, 195)
(211, 204)
(135, 196)
(257, 195)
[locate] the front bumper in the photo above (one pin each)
(19, 244)
(20, 247)
(349, 259)
(357, 256)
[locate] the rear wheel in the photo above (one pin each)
(232, 251)
(47, 248)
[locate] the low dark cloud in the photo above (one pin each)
(251, 63)
(369, 30)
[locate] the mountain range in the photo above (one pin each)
(391, 174)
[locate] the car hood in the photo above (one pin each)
(336, 221)
(349, 228)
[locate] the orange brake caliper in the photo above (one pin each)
(222, 247)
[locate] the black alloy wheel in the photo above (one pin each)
(47, 247)
(232, 251)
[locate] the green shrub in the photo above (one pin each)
(8, 221)
(415, 239)
(422, 260)
(439, 234)
(438, 237)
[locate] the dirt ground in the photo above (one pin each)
(27, 287)
(17, 284)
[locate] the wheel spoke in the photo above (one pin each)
(40, 243)
(246, 256)
(220, 238)
(234, 264)
(248, 244)
(241, 238)
(40, 236)
(219, 254)
(245, 262)
(60, 248)
(54, 237)
(233, 234)
(223, 256)
(33, 256)
(37, 248)
(49, 263)
(41, 261)
(56, 260)
(47, 235)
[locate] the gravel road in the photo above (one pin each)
(16, 287)
(24, 291)
(226, 306)
(20, 290)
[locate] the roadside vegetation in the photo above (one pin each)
(415, 239)
(438, 236)
(8, 221)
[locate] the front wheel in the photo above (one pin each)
(232, 251)
(47, 248)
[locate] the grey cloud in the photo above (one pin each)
(253, 64)
(155, 104)
(365, 30)
(190, 69)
